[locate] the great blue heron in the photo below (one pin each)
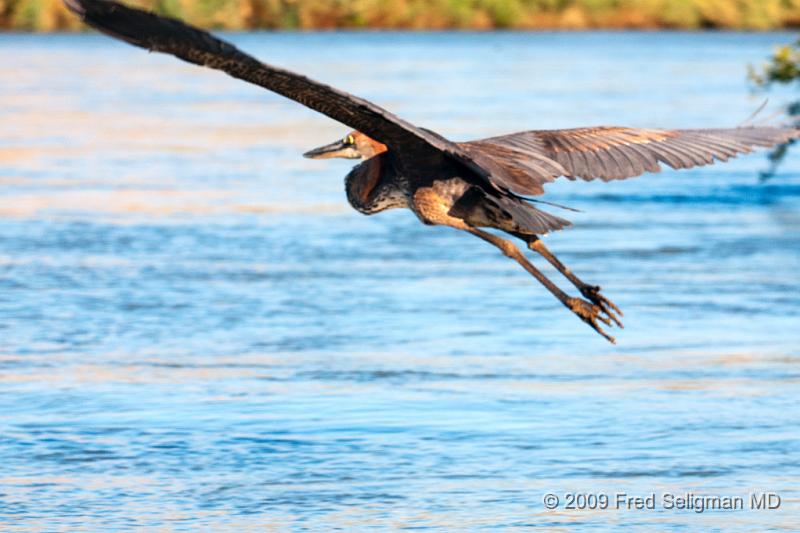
(464, 185)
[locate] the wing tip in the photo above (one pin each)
(85, 8)
(76, 6)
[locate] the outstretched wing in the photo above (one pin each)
(171, 36)
(532, 158)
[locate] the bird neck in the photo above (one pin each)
(371, 186)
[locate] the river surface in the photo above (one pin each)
(198, 333)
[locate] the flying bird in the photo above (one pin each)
(469, 186)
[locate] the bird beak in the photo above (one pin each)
(335, 149)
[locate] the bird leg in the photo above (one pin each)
(590, 292)
(586, 311)
(431, 208)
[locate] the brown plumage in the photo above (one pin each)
(533, 158)
(469, 185)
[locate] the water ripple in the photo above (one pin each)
(197, 333)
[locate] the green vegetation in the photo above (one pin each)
(782, 68)
(49, 15)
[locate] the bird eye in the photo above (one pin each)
(349, 140)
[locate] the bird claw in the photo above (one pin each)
(607, 307)
(591, 313)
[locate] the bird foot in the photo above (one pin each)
(591, 314)
(607, 307)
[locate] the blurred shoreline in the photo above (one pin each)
(760, 15)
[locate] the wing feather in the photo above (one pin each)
(669, 156)
(171, 36)
(633, 166)
(645, 161)
(697, 156)
(519, 163)
(612, 153)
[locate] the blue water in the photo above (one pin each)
(197, 333)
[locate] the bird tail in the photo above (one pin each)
(511, 214)
(531, 219)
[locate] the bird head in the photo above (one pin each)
(354, 145)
